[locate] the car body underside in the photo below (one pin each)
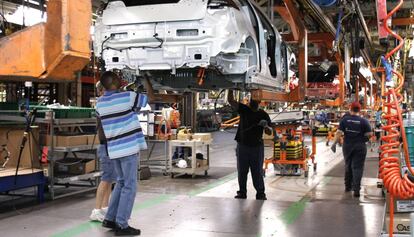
(193, 44)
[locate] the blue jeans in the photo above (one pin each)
(123, 196)
(107, 165)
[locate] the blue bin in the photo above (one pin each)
(409, 132)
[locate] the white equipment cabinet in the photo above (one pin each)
(192, 168)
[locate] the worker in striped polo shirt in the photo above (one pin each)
(116, 111)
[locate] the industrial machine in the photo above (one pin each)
(290, 154)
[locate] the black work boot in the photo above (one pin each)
(357, 194)
(109, 224)
(129, 231)
(261, 196)
(240, 195)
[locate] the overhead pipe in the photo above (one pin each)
(363, 23)
(399, 185)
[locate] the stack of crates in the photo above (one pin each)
(294, 150)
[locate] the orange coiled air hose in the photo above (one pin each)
(397, 184)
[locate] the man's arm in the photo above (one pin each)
(152, 97)
(368, 130)
(233, 103)
(268, 129)
(338, 135)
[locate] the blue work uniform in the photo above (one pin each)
(355, 129)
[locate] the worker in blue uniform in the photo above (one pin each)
(356, 131)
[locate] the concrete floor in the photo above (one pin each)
(204, 206)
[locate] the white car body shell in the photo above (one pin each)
(190, 35)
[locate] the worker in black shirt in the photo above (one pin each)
(356, 131)
(250, 148)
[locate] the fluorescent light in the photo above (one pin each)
(359, 59)
(33, 2)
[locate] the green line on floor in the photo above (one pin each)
(290, 215)
(217, 183)
(78, 229)
(294, 211)
(153, 202)
(84, 227)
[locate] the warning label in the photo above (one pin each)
(405, 206)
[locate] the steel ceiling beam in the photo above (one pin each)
(319, 14)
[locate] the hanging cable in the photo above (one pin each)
(398, 185)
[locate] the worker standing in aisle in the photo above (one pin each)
(356, 131)
(250, 147)
(117, 113)
(108, 172)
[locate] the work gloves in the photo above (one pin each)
(263, 123)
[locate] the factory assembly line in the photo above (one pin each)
(145, 117)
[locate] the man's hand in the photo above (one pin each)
(263, 123)
(333, 147)
(268, 130)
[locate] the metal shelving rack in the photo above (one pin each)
(92, 179)
(158, 163)
(51, 124)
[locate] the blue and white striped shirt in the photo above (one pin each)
(120, 122)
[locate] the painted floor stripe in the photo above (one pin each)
(219, 182)
(289, 216)
(84, 227)
(294, 211)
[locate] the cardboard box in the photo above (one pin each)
(93, 139)
(12, 138)
(74, 166)
(202, 163)
(202, 136)
(67, 141)
(184, 137)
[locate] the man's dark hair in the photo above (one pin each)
(108, 79)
